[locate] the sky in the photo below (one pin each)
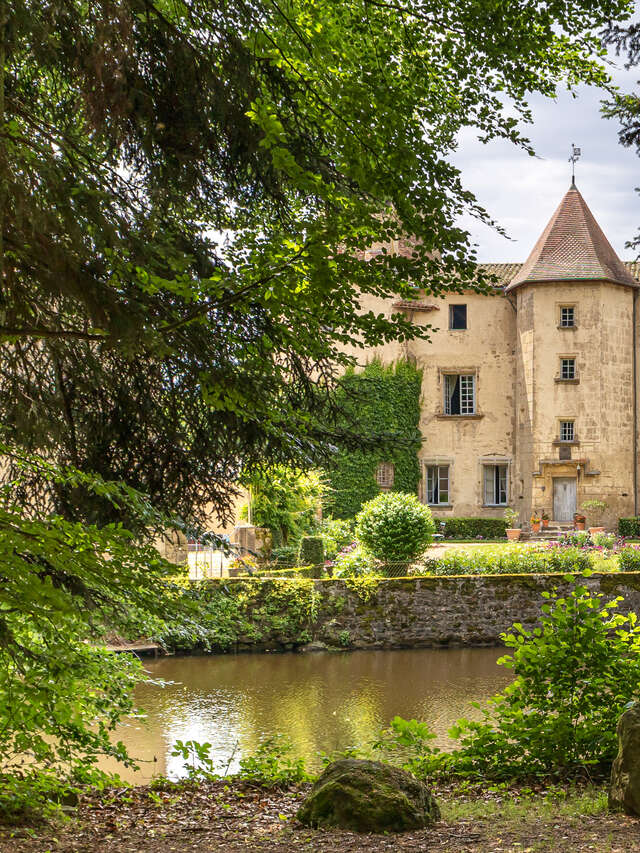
(522, 192)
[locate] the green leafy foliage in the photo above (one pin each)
(573, 676)
(336, 533)
(311, 551)
(285, 555)
(629, 527)
(629, 560)
(286, 502)
(395, 527)
(475, 528)
(517, 560)
(273, 764)
(196, 756)
(274, 611)
(382, 403)
(139, 346)
(353, 563)
(64, 586)
(407, 743)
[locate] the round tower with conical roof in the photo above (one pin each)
(576, 385)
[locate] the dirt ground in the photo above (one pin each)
(214, 818)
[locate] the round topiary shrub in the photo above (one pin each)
(395, 527)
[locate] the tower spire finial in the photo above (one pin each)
(573, 159)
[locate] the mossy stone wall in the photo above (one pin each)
(376, 613)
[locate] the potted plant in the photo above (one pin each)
(545, 520)
(578, 520)
(596, 509)
(511, 517)
(535, 522)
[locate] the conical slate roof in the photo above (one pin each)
(572, 248)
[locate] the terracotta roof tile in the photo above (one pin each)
(573, 247)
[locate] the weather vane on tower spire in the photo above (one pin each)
(575, 156)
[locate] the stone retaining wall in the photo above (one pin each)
(443, 611)
(278, 614)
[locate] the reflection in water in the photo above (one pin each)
(322, 701)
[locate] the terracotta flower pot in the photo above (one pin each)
(513, 533)
(545, 523)
(593, 530)
(535, 526)
(579, 525)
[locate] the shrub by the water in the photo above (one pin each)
(395, 527)
(573, 677)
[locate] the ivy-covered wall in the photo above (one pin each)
(384, 402)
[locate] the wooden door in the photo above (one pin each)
(564, 498)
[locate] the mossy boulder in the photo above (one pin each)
(624, 792)
(366, 796)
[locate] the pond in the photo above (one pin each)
(322, 701)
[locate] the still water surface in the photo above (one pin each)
(322, 701)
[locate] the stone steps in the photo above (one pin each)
(552, 533)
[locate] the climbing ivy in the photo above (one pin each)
(271, 611)
(384, 402)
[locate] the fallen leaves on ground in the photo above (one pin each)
(228, 818)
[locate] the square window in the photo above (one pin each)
(459, 394)
(457, 316)
(385, 474)
(567, 431)
(567, 368)
(567, 316)
(437, 484)
(495, 485)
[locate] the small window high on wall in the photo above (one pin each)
(567, 431)
(567, 316)
(567, 368)
(457, 316)
(495, 485)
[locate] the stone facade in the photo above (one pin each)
(527, 436)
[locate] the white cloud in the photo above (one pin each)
(521, 192)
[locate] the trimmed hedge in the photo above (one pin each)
(629, 527)
(312, 553)
(395, 527)
(472, 528)
(524, 561)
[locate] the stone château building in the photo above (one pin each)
(530, 395)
